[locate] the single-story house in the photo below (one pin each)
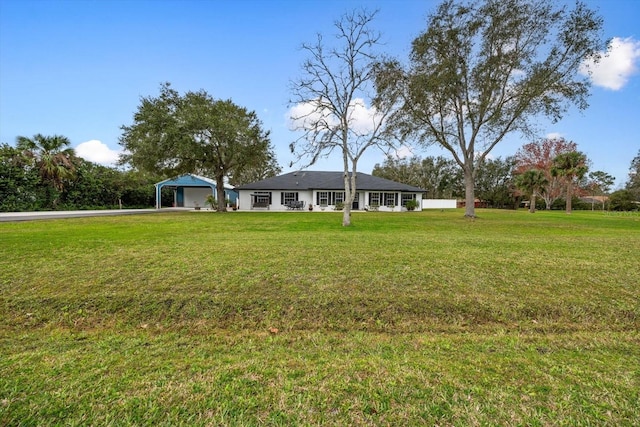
(192, 191)
(323, 190)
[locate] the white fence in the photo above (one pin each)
(439, 203)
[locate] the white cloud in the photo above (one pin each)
(403, 152)
(362, 120)
(616, 66)
(554, 135)
(303, 115)
(97, 152)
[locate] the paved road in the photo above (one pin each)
(30, 216)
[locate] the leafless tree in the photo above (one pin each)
(331, 101)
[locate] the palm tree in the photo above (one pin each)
(53, 157)
(571, 166)
(532, 182)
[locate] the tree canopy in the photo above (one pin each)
(600, 183)
(195, 133)
(54, 159)
(438, 176)
(633, 185)
(482, 70)
(23, 188)
(540, 155)
(532, 183)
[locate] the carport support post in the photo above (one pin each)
(157, 196)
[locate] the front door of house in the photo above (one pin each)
(356, 203)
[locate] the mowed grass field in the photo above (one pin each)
(419, 318)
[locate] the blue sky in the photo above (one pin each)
(78, 68)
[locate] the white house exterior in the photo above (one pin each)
(323, 190)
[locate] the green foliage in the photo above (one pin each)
(411, 205)
(633, 184)
(19, 181)
(93, 186)
(576, 204)
(212, 202)
(540, 155)
(338, 206)
(623, 200)
(494, 182)
(403, 337)
(54, 160)
(138, 190)
(601, 181)
(493, 67)
(572, 166)
(439, 177)
(532, 182)
(194, 133)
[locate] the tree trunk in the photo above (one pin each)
(349, 189)
(346, 215)
(349, 198)
(532, 203)
(469, 205)
(222, 201)
(568, 204)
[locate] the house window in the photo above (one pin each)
(338, 197)
(323, 198)
(374, 199)
(288, 197)
(389, 199)
(262, 197)
(407, 197)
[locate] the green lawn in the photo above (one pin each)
(268, 318)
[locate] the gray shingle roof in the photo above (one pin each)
(322, 180)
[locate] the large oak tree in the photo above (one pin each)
(483, 70)
(195, 133)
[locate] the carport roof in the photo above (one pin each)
(190, 180)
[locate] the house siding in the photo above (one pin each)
(323, 189)
(311, 197)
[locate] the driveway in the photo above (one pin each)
(30, 216)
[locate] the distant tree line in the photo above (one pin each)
(547, 174)
(43, 173)
(442, 178)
